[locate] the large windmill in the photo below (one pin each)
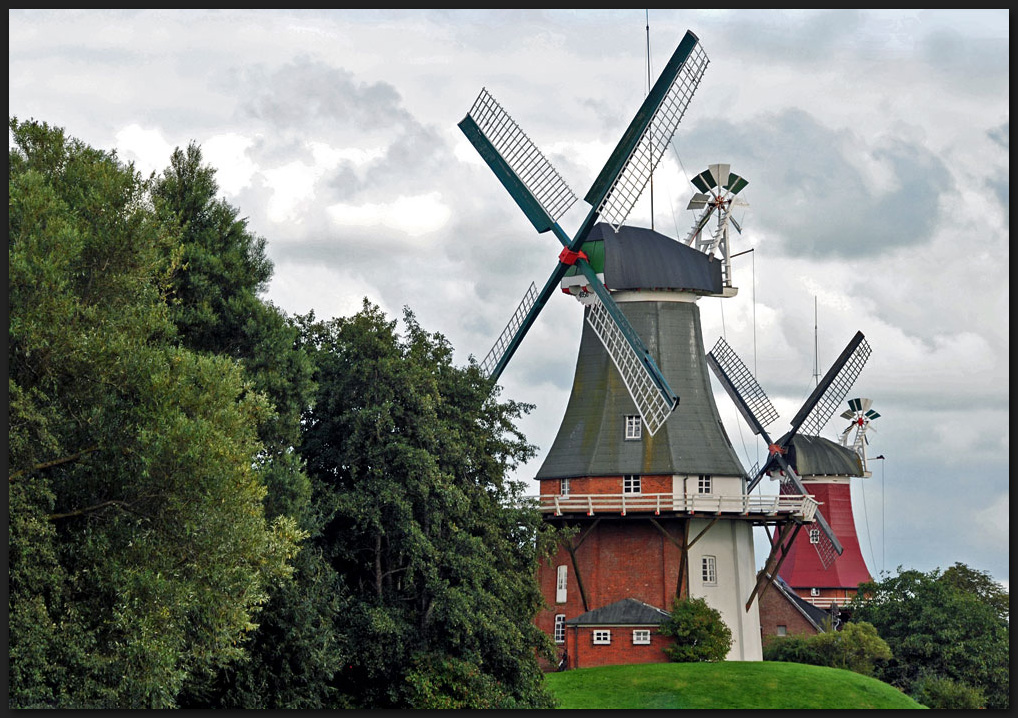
(654, 491)
(826, 561)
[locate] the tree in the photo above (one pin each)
(700, 633)
(409, 456)
(936, 629)
(140, 553)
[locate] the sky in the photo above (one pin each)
(875, 143)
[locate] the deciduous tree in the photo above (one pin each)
(410, 457)
(139, 549)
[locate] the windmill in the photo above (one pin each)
(544, 197)
(800, 448)
(854, 435)
(657, 495)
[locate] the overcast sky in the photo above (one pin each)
(875, 144)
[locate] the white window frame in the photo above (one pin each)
(631, 484)
(641, 636)
(814, 535)
(705, 484)
(709, 570)
(814, 592)
(602, 637)
(560, 628)
(634, 427)
(563, 487)
(561, 583)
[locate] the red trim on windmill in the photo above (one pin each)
(568, 256)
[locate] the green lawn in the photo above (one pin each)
(764, 684)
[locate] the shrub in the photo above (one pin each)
(699, 631)
(941, 692)
(856, 647)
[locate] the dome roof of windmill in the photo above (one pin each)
(639, 258)
(817, 456)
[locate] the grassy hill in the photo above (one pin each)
(763, 684)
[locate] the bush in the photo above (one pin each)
(856, 647)
(941, 692)
(700, 633)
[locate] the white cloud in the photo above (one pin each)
(415, 216)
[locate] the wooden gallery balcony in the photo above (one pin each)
(764, 508)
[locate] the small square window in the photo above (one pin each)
(634, 427)
(704, 485)
(602, 638)
(641, 637)
(782, 630)
(814, 592)
(814, 535)
(631, 484)
(563, 487)
(709, 566)
(560, 628)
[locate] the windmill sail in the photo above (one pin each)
(544, 197)
(627, 172)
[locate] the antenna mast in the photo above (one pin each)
(816, 346)
(647, 13)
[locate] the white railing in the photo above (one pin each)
(801, 506)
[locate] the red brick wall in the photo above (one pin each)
(776, 610)
(620, 558)
(584, 654)
(607, 485)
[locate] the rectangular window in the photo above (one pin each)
(782, 630)
(814, 592)
(704, 485)
(602, 638)
(634, 427)
(709, 567)
(641, 637)
(560, 584)
(631, 484)
(814, 535)
(560, 628)
(563, 487)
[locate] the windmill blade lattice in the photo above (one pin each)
(619, 186)
(531, 177)
(741, 385)
(511, 329)
(832, 389)
(647, 396)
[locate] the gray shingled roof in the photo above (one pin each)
(591, 440)
(816, 616)
(817, 456)
(627, 612)
(639, 258)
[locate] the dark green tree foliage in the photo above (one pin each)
(214, 297)
(856, 647)
(409, 456)
(214, 284)
(700, 633)
(940, 625)
(139, 549)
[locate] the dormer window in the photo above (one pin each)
(634, 427)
